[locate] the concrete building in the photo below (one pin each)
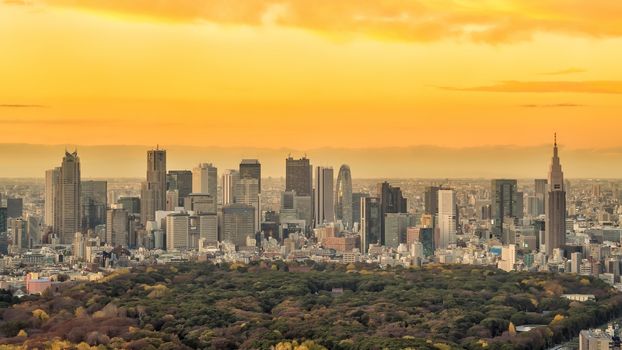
(395, 228)
(94, 201)
(446, 218)
(230, 181)
(343, 197)
(205, 179)
(117, 227)
(251, 169)
(153, 190)
(201, 203)
(67, 199)
(51, 181)
(177, 231)
(298, 175)
(324, 206)
(180, 181)
(370, 222)
(555, 227)
(238, 223)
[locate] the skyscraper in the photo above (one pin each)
(391, 201)
(298, 174)
(117, 227)
(506, 202)
(238, 223)
(177, 231)
(230, 180)
(15, 207)
(540, 192)
(51, 180)
(251, 169)
(395, 228)
(555, 208)
(131, 204)
(446, 227)
(370, 222)
(94, 198)
(205, 179)
(67, 200)
(324, 207)
(431, 200)
(181, 181)
(343, 196)
(356, 205)
(248, 193)
(153, 190)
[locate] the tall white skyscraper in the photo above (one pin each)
(324, 199)
(51, 179)
(446, 218)
(177, 231)
(205, 179)
(555, 208)
(230, 180)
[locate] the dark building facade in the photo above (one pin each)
(251, 169)
(180, 180)
(298, 176)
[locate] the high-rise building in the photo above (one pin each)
(131, 204)
(3, 219)
(117, 230)
(506, 202)
(177, 231)
(208, 227)
(205, 179)
(343, 197)
(298, 174)
(431, 200)
(19, 232)
(391, 201)
(555, 226)
(540, 193)
(248, 193)
(356, 205)
(230, 180)
(324, 207)
(67, 221)
(172, 200)
(51, 180)
(180, 181)
(370, 222)
(238, 221)
(251, 169)
(446, 218)
(94, 198)
(396, 225)
(15, 207)
(153, 190)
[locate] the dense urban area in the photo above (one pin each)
(188, 258)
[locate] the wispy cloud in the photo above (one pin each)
(553, 105)
(571, 70)
(403, 20)
(588, 86)
(17, 2)
(21, 106)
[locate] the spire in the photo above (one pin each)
(555, 145)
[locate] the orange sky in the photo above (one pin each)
(308, 74)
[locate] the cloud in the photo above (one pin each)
(20, 106)
(551, 105)
(402, 20)
(588, 86)
(571, 70)
(17, 2)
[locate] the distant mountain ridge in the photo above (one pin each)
(28, 160)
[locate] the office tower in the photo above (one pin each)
(130, 204)
(172, 200)
(508, 258)
(153, 190)
(298, 174)
(67, 202)
(555, 226)
(391, 201)
(238, 221)
(51, 179)
(18, 231)
(576, 259)
(230, 180)
(287, 199)
(343, 197)
(505, 203)
(395, 228)
(356, 205)
(117, 227)
(370, 222)
(181, 181)
(79, 246)
(251, 169)
(94, 200)
(201, 203)
(446, 218)
(304, 209)
(248, 193)
(3, 219)
(431, 200)
(540, 193)
(205, 179)
(15, 207)
(208, 227)
(177, 231)
(324, 208)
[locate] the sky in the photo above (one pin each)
(307, 75)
